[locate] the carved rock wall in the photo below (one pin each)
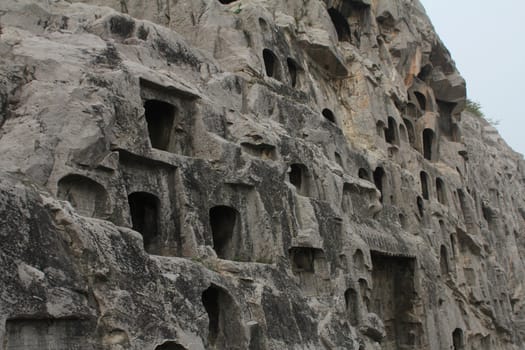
(249, 175)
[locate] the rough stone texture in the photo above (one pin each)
(345, 202)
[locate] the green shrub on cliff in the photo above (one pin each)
(475, 108)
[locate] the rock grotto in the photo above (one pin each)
(249, 174)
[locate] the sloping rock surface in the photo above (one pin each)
(250, 174)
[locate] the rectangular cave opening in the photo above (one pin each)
(159, 118)
(226, 233)
(144, 210)
(170, 115)
(393, 300)
(429, 140)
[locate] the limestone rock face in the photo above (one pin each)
(263, 175)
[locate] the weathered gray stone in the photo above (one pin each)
(249, 175)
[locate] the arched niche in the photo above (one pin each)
(441, 191)
(329, 115)
(225, 329)
(379, 180)
(420, 207)
(423, 176)
(145, 217)
(443, 261)
(359, 260)
(362, 173)
(224, 222)
(170, 345)
(429, 139)
(159, 118)
(352, 306)
(380, 128)
(298, 177)
(458, 340)
(271, 64)
(341, 25)
(421, 100)
(294, 71)
(391, 132)
(87, 196)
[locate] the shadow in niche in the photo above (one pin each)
(458, 340)
(225, 330)
(271, 64)
(440, 191)
(341, 25)
(391, 133)
(423, 176)
(159, 118)
(170, 345)
(443, 261)
(428, 143)
(379, 178)
(421, 100)
(223, 222)
(410, 132)
(298, 177)
(352, 306)
(329, 115)
(294, 70)
(144, 210)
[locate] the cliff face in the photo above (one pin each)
(205, 174)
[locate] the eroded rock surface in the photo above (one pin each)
(249, 174)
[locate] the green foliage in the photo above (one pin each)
(475, 108)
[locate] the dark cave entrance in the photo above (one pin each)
(144, 210)
(391, 133)
(223, 220)
(298, 178)
(423, 176)
(329, 115)
(271, 64)
(341, 25)
(379, 178)
(159, 117)
(225, 330)
(428, 143)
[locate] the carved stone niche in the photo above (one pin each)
(394, 298)
(311, 266)
(152, 193)
(169, 114)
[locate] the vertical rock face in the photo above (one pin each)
(254, 175)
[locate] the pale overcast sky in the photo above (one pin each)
(487, 40)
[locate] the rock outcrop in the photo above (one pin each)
(250, 174)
